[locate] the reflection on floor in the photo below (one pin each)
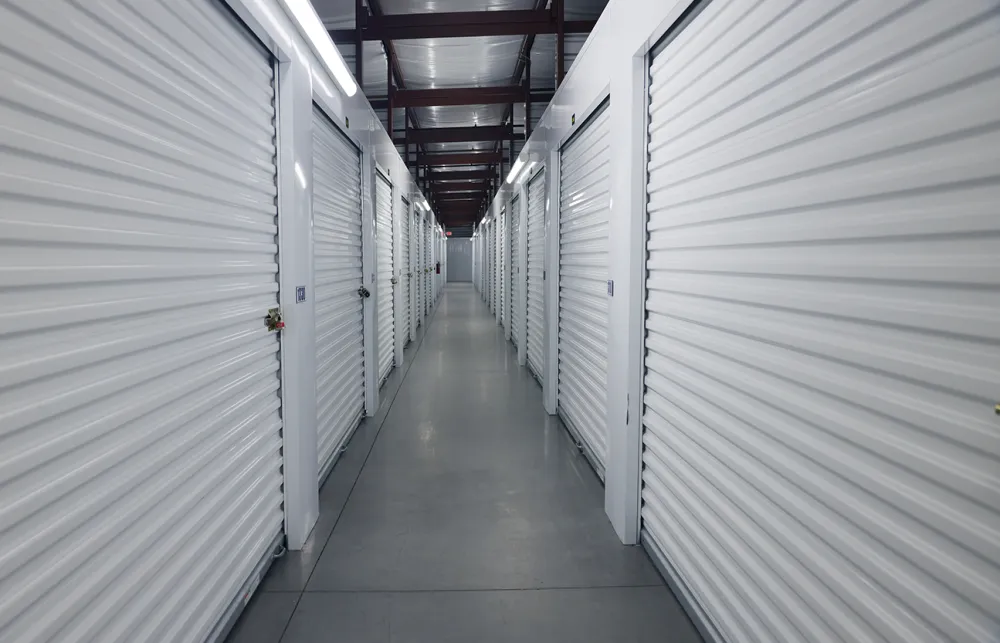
(462, 512)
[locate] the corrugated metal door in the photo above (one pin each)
(585, 206)
(502, 234)
(406, 274)
(140, 431)
(535, 332)
(418, 269)
(427, 265)
(383, 249)
(821, 456)
(489, 266)
(340, 359)
(516, 315)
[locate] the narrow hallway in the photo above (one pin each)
(468, 515)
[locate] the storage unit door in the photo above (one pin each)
(383, 249)
(536, 266)
(340, 358)
(585, 205)
(405, 276)
(427, 264)
(418, 269)
(494, 270)
(821, 453)
(502, 266)
(516, 315)
(140, 424)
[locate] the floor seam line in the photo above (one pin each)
(482, 589)
(378, 431)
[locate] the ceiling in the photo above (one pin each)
(458, 59)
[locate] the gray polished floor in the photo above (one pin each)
(463, 512)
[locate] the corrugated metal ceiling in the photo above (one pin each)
(459, 62)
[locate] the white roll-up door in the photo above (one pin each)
(340, 359)
(428, 261)
(502, 241)
(489, 266)
(429, 240)
(383, 249)
(516, 314)
(821, 453)
(585, 206)
(406, 273)
(140, 424)
(418, 265)
(494, 267)
(535, 332)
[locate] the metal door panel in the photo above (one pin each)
(140, 425)
(535, 341)
(820, 453)
(340, 395)
(585, 206)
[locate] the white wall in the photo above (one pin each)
(460, 260)
(303, 80)
(612, 62)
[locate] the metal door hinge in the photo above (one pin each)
(274, 320)
(364, 292)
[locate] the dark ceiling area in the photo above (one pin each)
(459, 83)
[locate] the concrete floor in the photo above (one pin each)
(463, 512)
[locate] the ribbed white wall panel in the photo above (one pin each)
(821, 454)
(406, 275)
(585, 206)
(516, 278)
(383, 249)
(140, 430)
(535, 321)
(340, 359)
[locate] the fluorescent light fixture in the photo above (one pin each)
(301, 176)
(310, 25)
(515, 170)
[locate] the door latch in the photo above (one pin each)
(363, 292)
(273, 320)
(394, 281)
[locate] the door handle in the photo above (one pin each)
(364, 292)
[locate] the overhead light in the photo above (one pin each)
(515, 170)
(310, 25)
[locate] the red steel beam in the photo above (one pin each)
(462, 175)
(457, 199)
(458, 188)
(457, 96)
(441, 97)
(458, 158)
(461, 134)
(463, 24)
